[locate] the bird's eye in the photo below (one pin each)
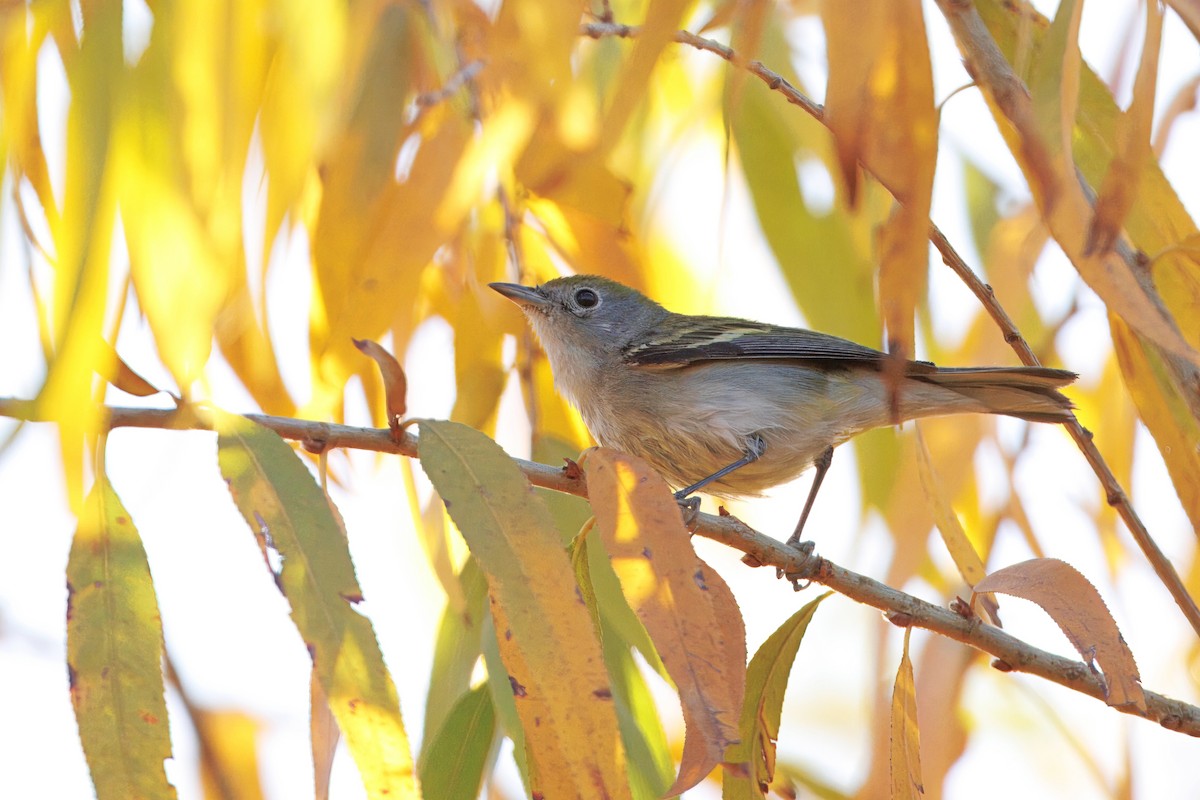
(587, 298)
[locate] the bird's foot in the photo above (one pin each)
(805, 567)
(690, 507)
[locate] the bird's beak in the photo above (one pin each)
(522, 295)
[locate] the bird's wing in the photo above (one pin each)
(720, 338)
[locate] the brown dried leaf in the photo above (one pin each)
(686, 607)
(395, 385)
(1073, 602)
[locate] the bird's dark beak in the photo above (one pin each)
(522, 295)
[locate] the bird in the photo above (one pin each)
(733, 406)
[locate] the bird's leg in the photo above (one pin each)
(799, 579)
(822, 464)
(755, 447)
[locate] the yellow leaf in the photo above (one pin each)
(20, 138)
(1120, 187)
(905, 736)
(969, 564)
(550, 653)
(299, 91)
(83, 238)
(479, 369)
(1162, 407)
(663, 18)
(374, 237)
(230, 766)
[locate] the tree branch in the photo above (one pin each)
(1114, 493)
(902, 609)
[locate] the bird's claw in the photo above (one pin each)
(800, 577)
(690, 506)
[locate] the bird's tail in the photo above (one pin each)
(1026, 392)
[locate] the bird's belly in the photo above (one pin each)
(689, 427)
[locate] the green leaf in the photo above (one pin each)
(455, 760)
(750, 766)
(289, 514)
(114, 653)
(455, 652)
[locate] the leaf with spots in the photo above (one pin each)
(114, 653)
(548, 646)
(291, 516)
(686, 607)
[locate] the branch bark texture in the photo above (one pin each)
(901, 608)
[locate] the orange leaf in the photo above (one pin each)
(121, 375)
(686, 607)
(1073, 602)
(880, 108)
(395, 385)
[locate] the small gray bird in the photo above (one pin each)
(737, 406)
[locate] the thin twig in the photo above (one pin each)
(455, 82)
(764, 550)
(1114, 493)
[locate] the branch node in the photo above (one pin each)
(315, 444)
(1171, 722)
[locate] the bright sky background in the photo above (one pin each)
(226, 625)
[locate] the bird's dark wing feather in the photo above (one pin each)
(720, 338)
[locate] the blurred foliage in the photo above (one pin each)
(414, 152)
